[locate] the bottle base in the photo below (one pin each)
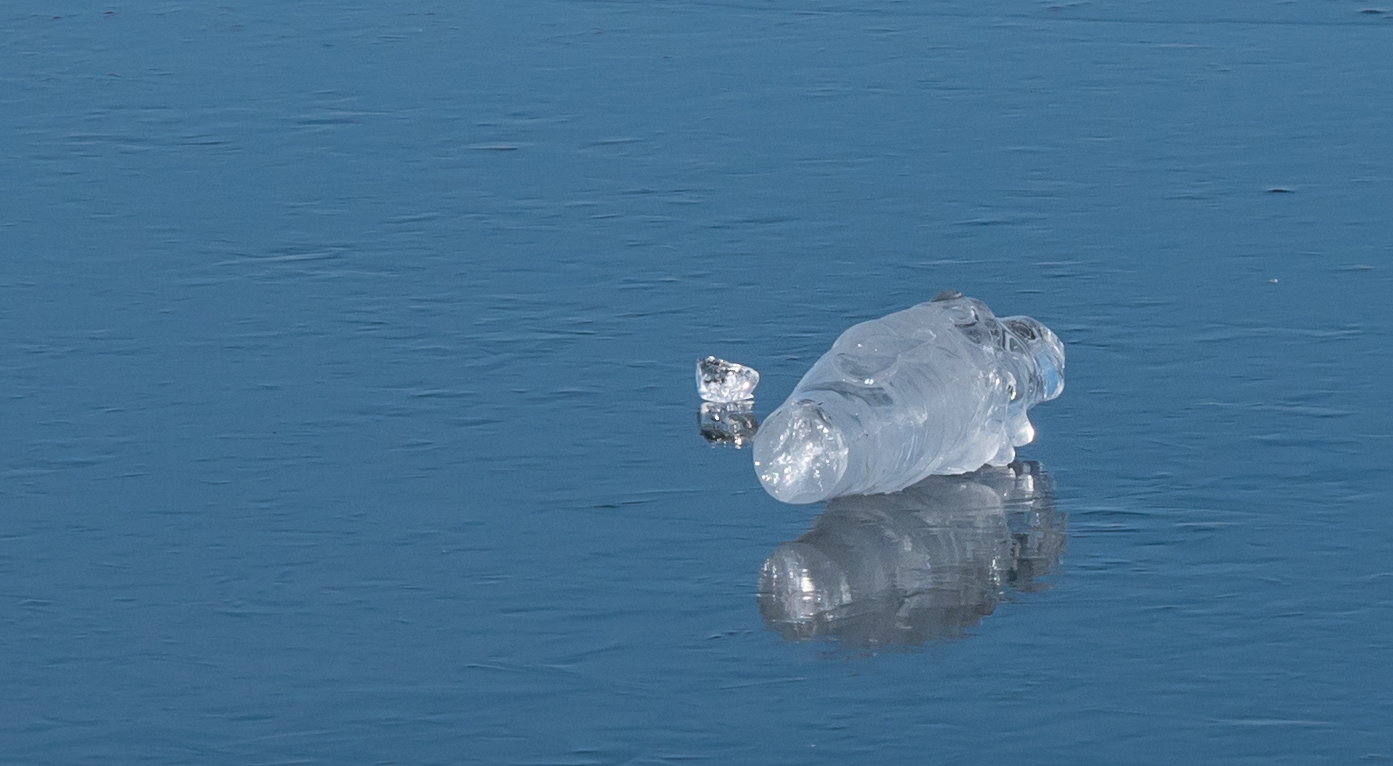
(800, 456)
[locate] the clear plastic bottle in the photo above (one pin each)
(940, 388)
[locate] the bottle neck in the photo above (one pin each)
(1044, 356)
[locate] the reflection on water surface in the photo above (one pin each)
(728, 424)
(923, 564)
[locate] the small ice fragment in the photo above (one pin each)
(722, 382)
(731, 424)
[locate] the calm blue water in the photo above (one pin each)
(346, 401)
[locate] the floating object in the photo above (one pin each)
(723, 382)
(940, 388)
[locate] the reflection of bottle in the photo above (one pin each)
(920, 564)
(940, 388)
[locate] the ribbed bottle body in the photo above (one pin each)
(939, 388)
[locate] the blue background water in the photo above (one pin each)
(346, 363)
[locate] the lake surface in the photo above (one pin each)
(348, 411)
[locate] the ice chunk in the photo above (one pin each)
(940, 388)
(731, 424)
(721, 381)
